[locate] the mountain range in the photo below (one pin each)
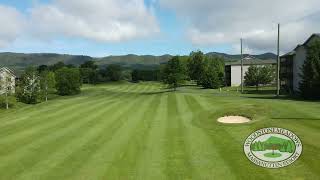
(18, 61)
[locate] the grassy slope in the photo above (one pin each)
(138, 131)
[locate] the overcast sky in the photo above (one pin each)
(114, 27)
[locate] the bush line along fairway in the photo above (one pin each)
(143, 131)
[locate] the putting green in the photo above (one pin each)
(272, 155)
(143, 131)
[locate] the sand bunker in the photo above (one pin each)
(234, 119)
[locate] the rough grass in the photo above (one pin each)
(144, 131)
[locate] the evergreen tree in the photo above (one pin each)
(310, 84)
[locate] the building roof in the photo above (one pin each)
(252, 62)
(307, 41)
(7, 70)
(292, 53)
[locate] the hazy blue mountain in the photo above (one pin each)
(18, 61)
(236, 57)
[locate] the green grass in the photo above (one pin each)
(143, 131)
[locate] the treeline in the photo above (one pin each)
(36, 84)
(145, 75)
(285, 146)
(90, 72)
(206, 71)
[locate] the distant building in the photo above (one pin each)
(291, 66)
(6, 72)
(233, 69)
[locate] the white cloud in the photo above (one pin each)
(99, 20)
(212, 22)
(11, 25)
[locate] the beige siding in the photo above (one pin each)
(236, 74)
(298, 61)
(5, 73)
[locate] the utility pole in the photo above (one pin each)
(241, 67)
(278, 62)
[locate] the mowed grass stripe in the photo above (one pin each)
(57, 112)
(46, 142)
(58, 103)
(10, 143)
(116, 120)
(114, 143)
(205, 157)
(151, 163)
(178, 162)
(124, 165)
(34, 120)
(39, 109)
(70, 146)
(51, 121)
(26, 152)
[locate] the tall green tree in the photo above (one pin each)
(57, 66)
(29, 88)
(48, 83)
(173, 73)
(88, 75)
(196, 66)
(259, 75)
(68, 81)
(113, 72)
(212, 75)
(89, 72)
(135, 75)
(89, 64)
(42, 68)
(310, 84)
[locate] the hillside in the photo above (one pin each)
(19, 61)
(236, 57)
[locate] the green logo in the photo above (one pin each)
(273, 147)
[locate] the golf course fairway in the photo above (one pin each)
(145, 131)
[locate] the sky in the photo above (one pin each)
(156, 27)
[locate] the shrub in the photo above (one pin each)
(68, 81)
(11, 101)
(29, 88)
